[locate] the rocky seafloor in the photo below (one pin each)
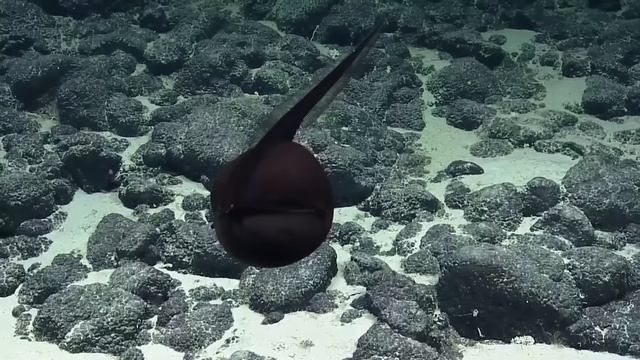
(484, 164)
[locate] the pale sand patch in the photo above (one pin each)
(83, 215)
(519, 167)
(189, 281)
(429, 57)
(300, 335)
(444, 144)
(515, 38)
(562, 90)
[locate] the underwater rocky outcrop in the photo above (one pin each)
(138, 100)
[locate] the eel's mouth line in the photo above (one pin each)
(237, 212)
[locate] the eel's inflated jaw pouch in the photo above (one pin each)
(282, 210)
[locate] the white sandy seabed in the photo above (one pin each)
(303, 335)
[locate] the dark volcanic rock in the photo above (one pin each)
(548, 241)
(347, 23)
(22, 23)
(92, 168)
(117, 238)
(149, 283)
(569, 222)
(629, 136)
(600, 274)
(27, 148)
(568, 148)
(407, 318)
(91, 318)
(406, 116)
(23, 196)
(11, 276)
(132, 354)
(22, 247)
(492, 289)
(550, 263)
(35, 227)
(289, 288)
(144, 192)
(297, 18)
(348, 174)
(500, 203)
(485, 231)
(575, 64)
(523, 131)
(224, 71)
(633, 99)
(381, 342)
(7, 100)
(605, 189)
(455, 196)
(540, 194)
(604, 98)
(366, 270)
(401, 202)
(195, 248)
(468, 43)
(248, 355)
(124, 37)
(321, 303)
(64, 270)
(518, 81)
(610, 59)
(177, 303)
(32, 76)
(206, 293)
(195, 202)
(442, 241)
(382, 300)
(606, 5)
(461, 167)
(614, 327)
(198, 328)
(421, 262)
(404, 242)
(275, 77)
(12, 121)
(468, 114)
(465, 78)
(208, 136)
(165, 55)
(90, 103)
(90, 159)
(347, 233)
(80, 9)
(125, 116)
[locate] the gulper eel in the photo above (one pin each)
(273, 204)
